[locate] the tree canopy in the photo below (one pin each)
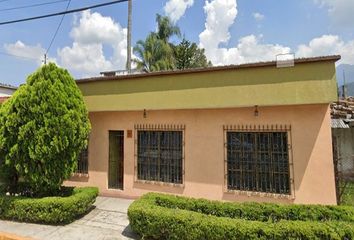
(154, 54)
(43, 127)
(157, 53)
(188, 55)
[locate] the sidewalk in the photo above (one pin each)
(108, 221)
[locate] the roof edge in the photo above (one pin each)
(333, 58)
(8, 86)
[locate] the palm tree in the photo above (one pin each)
(166, 29)
(153, 54)
(156, 53)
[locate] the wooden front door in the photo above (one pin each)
(116, 160)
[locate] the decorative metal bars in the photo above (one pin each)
(160, 153)
(257, 159)
(82, 162)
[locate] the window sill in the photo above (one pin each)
(179, 185)
(260, 194)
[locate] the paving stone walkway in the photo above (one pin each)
(108, 221)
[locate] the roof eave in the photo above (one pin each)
(333, 58)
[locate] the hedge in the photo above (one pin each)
(152, 221)
(258, 211)
(48, 210)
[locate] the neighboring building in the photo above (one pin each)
(250, 132)
(342, 112)
(6, 91)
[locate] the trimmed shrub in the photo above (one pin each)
(43, 128)
(258, 211)
(152, 221)
(49, 210)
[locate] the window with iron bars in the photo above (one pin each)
(258, 162)
(82, 162)
(160, 156)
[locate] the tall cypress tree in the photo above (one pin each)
(43, 128)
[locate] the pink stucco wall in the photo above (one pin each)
(204, 151)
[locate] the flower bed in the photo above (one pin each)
(159, 216)
(48, 210)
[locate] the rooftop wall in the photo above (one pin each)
(265, 85)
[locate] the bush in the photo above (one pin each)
(348, 194)
(43, 128)
(150, 220)
(48, 210)
(258, 211)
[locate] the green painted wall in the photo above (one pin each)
(306, 83)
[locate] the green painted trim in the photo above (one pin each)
(309, 83)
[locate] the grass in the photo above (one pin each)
(348, 195)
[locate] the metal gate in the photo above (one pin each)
(344, 174)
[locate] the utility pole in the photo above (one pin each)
(45, 59)
(344, 93)
(129, 38)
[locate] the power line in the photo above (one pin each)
(4, 1)
(64, 12)
(56, 31)
(33, 5)
(18, 56)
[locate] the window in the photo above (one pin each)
(258, 161)
(160, 155)
(82, 163)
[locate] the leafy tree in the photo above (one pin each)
(43, 127)
(188, 55)
(153, 54)
(156, 52)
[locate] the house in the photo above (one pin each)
(250, 132)
(6, 91)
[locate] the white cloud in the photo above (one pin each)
(328, 45)
(175, 9)
(258, 16)
(221, 15)
(90, 34)
(35, 52)
(248, 49)
(340, 11)
(85, 58)
(95, 28)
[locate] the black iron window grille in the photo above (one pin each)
(160, 154)
(82, 163)
(258, 161)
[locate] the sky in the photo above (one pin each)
(230, 31)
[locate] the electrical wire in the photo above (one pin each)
(4, 1)
(57, 30)
(62, 13)
(31, 6)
